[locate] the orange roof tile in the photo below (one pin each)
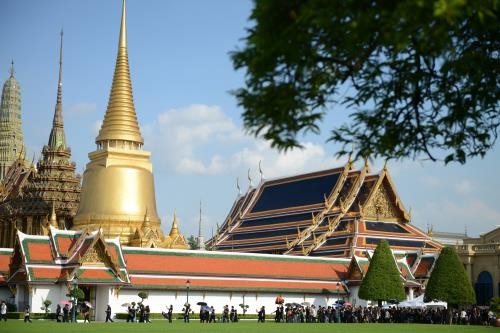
(173, 263)
(237, 284)
(39, 252)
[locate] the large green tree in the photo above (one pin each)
(420, 79)
(449, 281)
(383, 281)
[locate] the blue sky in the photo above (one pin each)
(182, 75)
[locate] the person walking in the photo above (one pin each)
(58, 313)
(3, 311)
(66, 314)
(108, 314)
(86, 314)
(27, 314)
(170, 313)
(212, 315)
(187, 312)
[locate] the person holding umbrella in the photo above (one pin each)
(86, 312)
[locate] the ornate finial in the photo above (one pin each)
(385, 165)
(238, 185)
(53, 217)
(120, 121)
(249, 178)
(260, 171)
(11, 70)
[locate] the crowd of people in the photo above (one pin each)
(296, 313)
(333, 314)
(139, 314)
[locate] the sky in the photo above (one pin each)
(182, 76)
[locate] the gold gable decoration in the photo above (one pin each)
(381, 206)
(95, 256)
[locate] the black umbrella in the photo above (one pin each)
(201, 303)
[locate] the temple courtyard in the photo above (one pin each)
(18, 326)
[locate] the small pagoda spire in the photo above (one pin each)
(147, 221)
(175, 229)
(53, 216)
(11, 70)
(57, 138)
(200, 241)
(120, 120)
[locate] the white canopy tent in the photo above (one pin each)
(418, 303)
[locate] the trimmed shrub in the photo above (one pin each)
(449, 281)
(383, 280)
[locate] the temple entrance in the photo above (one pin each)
(90, 296)
(484, 288)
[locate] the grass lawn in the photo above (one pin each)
(18, 326)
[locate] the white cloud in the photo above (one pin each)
(464, 187)
(201, 139)
(447, 215)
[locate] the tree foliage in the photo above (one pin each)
(383, 281)
(143, 295)
(192, 242)
(76, 293)
(448, 281)
(419, 78)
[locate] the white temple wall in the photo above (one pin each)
(40, 293)
(160, 300)
(104, 296)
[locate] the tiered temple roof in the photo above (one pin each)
(338, 212)
(63, 255)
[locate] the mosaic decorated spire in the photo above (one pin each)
(120, 121)
(11, 134)
(54, 191)
(57, 137)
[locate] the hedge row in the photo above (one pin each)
(193, 316)
(50, 316)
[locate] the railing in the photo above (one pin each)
(479, 248)
(486, 248)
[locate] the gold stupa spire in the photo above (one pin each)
(175, 229)
(120, 122)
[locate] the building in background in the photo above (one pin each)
(481, 258)
(338, 212)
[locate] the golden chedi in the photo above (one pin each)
(118, 186)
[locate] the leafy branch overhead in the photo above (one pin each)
(422, 77)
